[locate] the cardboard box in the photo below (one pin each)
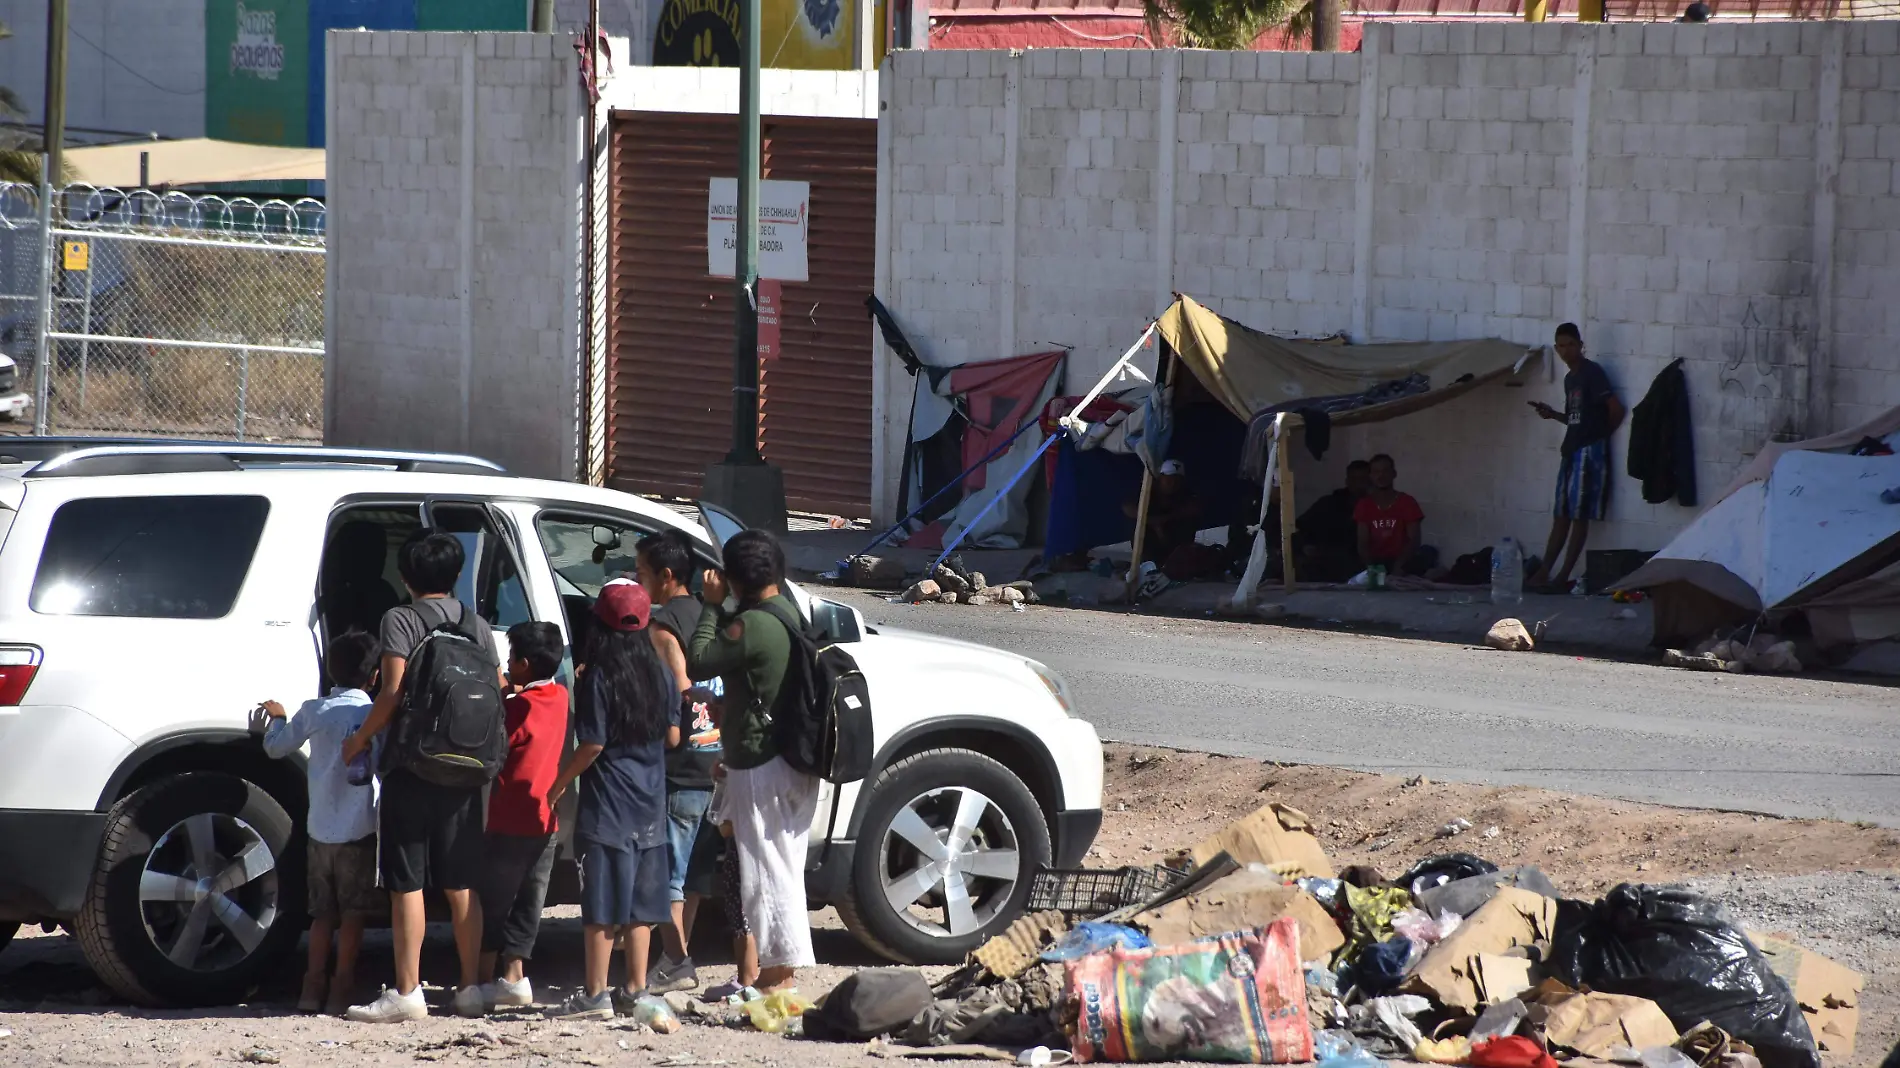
(1451, 970)
(1829, 993)
(1274, 835)
(1500, 978)
(1241, 902)
(1594, 1024)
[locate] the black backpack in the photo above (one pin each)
(822, 719)
(449, 727)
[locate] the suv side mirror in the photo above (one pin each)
(839, 623)
(606, 537)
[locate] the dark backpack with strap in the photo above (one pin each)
(449, 727)
(822, 718)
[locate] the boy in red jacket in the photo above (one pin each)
(521, 844)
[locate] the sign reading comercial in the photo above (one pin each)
(784, 217)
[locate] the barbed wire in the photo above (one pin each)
(82, 206)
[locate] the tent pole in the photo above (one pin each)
(1147, 496)
(1286, 504)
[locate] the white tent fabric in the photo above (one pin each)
(1807, 535)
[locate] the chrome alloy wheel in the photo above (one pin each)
(208, 894)
(951, 861)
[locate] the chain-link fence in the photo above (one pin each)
(177, 315)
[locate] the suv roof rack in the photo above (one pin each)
(76, 457)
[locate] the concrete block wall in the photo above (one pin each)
(1681, 194)
(456, 166)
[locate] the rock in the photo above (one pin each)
(680, 1002)
(976, 597)
(949, 596)
(950, 580)
(262, 1056)
(1010, 595)
(978, 582)
(923, 591)
(1508, 635)
(1454, 828)
(874, 572)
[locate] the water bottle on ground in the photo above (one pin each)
(1507, 573)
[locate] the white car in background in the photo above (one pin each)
(14, 400)
(152, 595)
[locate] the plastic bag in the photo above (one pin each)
(653, 1011)
(1442, 869)
(1238, 998)
(1381, 966)
(1679, 950)
(1453, 1050)
(1418, 925)
(1086, 938)
(774, 1012)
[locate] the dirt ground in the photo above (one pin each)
(1834, 886)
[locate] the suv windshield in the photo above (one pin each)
(167, 557)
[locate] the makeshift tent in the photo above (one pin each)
(972, 419)
(1803, 528)
(1252, 373)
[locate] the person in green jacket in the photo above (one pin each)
(770, 804)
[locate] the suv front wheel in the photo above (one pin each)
(949, 841)
(188, 903)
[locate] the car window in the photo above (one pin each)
(490, 579)
(359, 579)
(162, 557)
(587, 551)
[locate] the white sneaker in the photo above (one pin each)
(470, 1003)
(501, 993)
(391, 1007)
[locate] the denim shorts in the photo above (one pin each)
(685, 815)
(623, 886)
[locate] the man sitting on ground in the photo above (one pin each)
(1326, 537)
(1174, 513)
(1388, 522)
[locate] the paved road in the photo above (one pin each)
(1788, 746)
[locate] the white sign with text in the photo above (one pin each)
(784, 215)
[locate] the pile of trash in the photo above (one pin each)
(1250, 948)
(1759, 652)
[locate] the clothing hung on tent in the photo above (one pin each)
(1661, 445)
(961, 415)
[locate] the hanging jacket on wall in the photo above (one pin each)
(1662, 448)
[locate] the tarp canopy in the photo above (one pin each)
(194, 161)
(1813, 535)
(1251, 372)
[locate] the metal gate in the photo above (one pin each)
(670, 324)
(175, 315)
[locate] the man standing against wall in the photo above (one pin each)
(1591, 414)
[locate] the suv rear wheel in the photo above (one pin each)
(949, 842)
(188, 904)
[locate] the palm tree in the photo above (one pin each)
(1229, 24)
(19, 153)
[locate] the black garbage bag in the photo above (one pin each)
(1680, 950)
(1442, 869)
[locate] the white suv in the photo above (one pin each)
(152, 595)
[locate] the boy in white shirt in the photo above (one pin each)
(342, 817)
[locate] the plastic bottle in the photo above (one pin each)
(1507, 573)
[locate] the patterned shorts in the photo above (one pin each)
(1583, 483)
(343, 878)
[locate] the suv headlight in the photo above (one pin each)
(1057, 688)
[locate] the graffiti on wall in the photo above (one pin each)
(1762, 376)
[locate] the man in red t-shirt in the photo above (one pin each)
(521, 823)
(1388, 520)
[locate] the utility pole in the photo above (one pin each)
(743, 482)
(52, 160)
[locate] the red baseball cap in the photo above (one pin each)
(623, 606)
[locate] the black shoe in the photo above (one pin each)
(625, 1000)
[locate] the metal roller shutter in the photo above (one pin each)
(671, 325)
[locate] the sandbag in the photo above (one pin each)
(1238, 998)
(1680, 950)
